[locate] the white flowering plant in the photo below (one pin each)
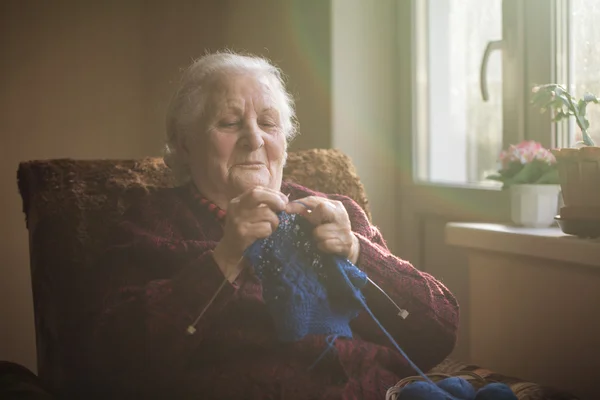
(526, 163)
(563, 105)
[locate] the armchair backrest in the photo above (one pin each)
(70, 206)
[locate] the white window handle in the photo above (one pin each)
(491, 46)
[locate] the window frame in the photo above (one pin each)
(526, 25)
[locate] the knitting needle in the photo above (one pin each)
(402, 313)
(192, 328)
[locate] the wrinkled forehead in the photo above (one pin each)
(236, 89)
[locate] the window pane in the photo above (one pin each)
(459, 136)
(584, 60)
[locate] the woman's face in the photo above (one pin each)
(242, 143)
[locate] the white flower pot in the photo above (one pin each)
(534, 206)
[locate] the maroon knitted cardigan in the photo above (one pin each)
(159, 274)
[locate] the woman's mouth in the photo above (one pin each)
(250, 165)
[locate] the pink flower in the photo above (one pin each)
(545, 155)
(524, 153)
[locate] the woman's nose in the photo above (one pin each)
(252, 137)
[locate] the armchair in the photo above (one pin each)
(69, 206)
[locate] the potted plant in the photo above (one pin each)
(578, 167)
(529, 171)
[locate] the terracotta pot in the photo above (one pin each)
(579, 174)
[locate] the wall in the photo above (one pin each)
(536, 319)
(72, 86)
(91, 80)
(365, 107)
(296, 35)
(449, 264)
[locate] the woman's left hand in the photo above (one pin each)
(333, 232)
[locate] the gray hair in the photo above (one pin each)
(189, 102)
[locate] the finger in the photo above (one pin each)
(261, 230)
(306, 207)
(259, 195)
(331, 230)
(323, 213)
(310, 202)
(332, 246)
(297, 207)
(342, 237)
(257, 215)
(252, 230)
(270, 217)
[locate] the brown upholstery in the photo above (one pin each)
(70, 205)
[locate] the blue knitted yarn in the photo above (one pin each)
(301, 287)
(421, 391)
(495, 391)
(455, 388)
(458, 387)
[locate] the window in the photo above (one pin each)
(583, 63)
(457, 135)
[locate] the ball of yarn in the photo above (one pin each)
(458, 387)
(421, 391)
(495, 391)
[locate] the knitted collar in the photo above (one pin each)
(214, 209)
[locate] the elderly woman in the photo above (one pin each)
(181, 251)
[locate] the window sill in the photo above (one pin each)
(545, 243)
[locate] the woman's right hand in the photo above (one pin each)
(250, 216)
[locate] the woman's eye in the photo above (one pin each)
(229, 124)
(269, 124)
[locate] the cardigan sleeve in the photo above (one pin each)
(155, 286)
(428, 334)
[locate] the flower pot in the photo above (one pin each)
(579, 174)
(534, 206)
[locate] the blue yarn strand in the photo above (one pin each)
(330, 341)
(358, 295)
